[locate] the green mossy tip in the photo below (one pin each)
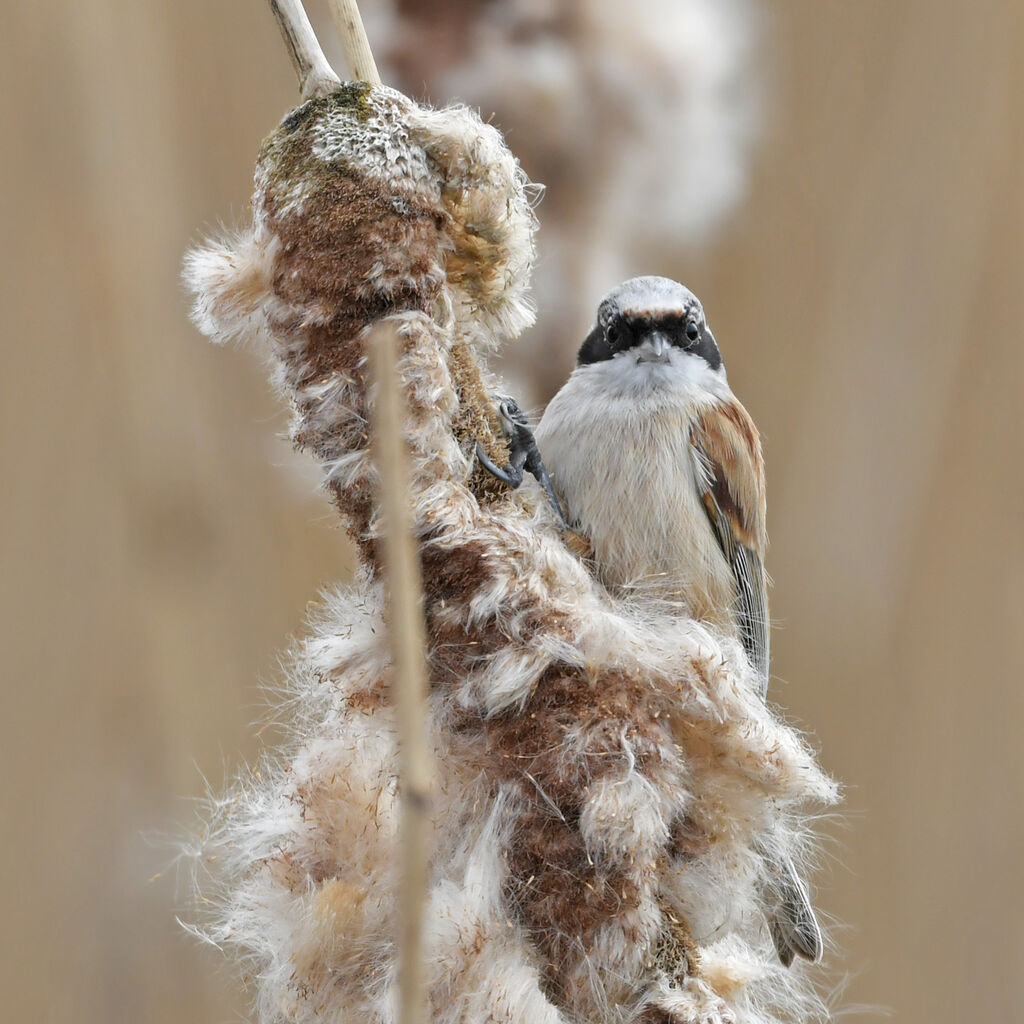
(287, 153)
(351, 96)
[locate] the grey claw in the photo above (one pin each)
(508, 476)
(523, 454)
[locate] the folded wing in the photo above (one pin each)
(729, 451)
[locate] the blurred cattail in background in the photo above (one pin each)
(638, 119)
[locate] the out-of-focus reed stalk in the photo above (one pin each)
(316, 78)
(410, 670)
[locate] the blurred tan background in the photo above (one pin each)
(160, 542)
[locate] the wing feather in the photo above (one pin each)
(729, 451)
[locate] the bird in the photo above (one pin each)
(657, 464)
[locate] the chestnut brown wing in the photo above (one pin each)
(729, 452)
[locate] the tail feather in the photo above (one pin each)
(791, 920)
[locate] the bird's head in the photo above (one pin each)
(651, 320)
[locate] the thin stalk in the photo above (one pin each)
(406, 628)
(353, 39)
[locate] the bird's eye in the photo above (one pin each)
(692, 330)
(614, 333)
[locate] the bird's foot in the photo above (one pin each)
(523, 454)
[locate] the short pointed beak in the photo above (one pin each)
(655, 348)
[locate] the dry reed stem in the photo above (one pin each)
(406, 631)
(316, 77)
(353, 39)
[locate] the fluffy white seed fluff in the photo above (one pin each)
(586, 743)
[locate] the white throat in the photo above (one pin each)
(671, 375)
(616, 441)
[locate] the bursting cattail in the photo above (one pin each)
(605, 770)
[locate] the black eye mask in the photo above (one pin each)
(623, 334)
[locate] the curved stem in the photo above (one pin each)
(316, 76)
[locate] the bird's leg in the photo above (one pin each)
(523, 454)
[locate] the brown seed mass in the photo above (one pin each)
(568, 736)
